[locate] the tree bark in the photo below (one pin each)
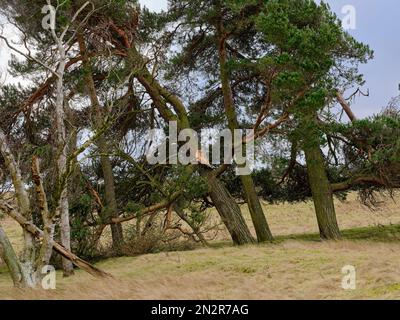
(229, 211)
(62, 209)
(322, 193)
(111, 209)
(256, 211)
(346, 107)
(28, 255)
(7, 253)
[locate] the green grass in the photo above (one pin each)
(389, 233)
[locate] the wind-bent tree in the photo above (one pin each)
(211, 34)
(291, 55)
(317, 56)
(126, 44)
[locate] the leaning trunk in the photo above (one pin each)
(256, 211)
(33, 230)
(28, 255)
(322, 193)
(224, 203)
(7, 253)
(229, 211)
(48, 220)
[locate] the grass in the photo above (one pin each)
(381, 233)
(297, 266)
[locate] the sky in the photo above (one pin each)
(377, 24)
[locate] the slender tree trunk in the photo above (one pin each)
(229, 211)
(111, 203)
(111, 210)
(7, 253)
(62, 209)
(256, 211)
(322, 193)
(28, 255)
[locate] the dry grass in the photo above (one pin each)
(293, 219)
(296, 267)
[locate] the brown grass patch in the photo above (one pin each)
(291, 269)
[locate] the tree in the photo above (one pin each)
(111, 209)
(314, 53)
(275, 58)
(209, 26)
(57, 68)
(170, 108)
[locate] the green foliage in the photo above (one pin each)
(82, 238)
(196, 187)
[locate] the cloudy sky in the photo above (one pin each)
(377, 24)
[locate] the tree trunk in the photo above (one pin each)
(226, 206)
(111, 203)
(111, 210)
(256, 211)
(7, 253)
(48, 220)
(62, 209)
(322, 193)
(229, 211)
(28, 255)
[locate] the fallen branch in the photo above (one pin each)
(38, 234)
(366, 180)
(149, 210)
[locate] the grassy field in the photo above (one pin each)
(297, 266)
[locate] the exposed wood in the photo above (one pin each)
(346, 107)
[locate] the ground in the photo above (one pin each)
(297, 266)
